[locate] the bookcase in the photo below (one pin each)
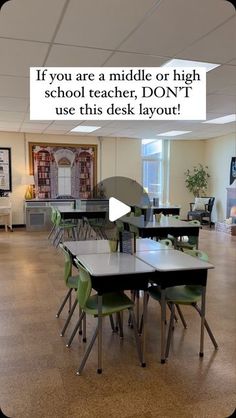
(43, 175)
(86, 174)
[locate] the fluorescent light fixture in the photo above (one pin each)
(222, 119)
(147, 141)
(185, 63)
(174, 133)
(85, 128)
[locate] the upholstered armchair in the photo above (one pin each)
(201, 209)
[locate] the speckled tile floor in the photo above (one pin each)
(37, 372)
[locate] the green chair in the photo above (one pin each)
(53, 220)
(137, 211)
(71, 283)
(166, 241)
(62, 226)
(111, 303)
(132, 228)
(183, 295)
(188, 242)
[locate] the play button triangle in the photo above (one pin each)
(117, 209)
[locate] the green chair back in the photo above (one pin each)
(167, 242)
(84, 285)
(194, 222)
(58, 217)
(53, 215)
(193, 240)
(197, 253)
(137, 211)
(68, 263)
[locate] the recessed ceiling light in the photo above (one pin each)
(222, 119)
(174, 133)
(85, 128)
(185, 63)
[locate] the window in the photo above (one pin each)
(153, 175)
(64, 180)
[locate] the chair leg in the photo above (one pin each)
(120, 324)
(85, 358)
(112, 323)
(207, 327)
(75, 329)
(58, 238)
(69, 318)
(170, 331)
(68, 295)
(137, 339)
(133, 294)
(181, 316)
(57, 232)
(84, 329)
(51, 231)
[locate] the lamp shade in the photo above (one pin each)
(27, 179)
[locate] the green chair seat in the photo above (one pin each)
(184, 295)
(111, 303)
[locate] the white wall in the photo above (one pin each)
(15, 141)
(183, 155)
(218, 156)
(216, 153)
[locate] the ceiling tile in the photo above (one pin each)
(103, 25)
(217, 47)
(11, 116)
(14, 86)
(127, 59)
(221, 104)
(164, 33)
(71, 56)
(30, 19)
(18, 56)
(220, 78)
(13, 104)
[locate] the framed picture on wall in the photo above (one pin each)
(5, 170)
(63, 170)
(232, 175)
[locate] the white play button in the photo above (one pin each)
(117, 209)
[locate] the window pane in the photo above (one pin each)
(152, 147)
(152, 167)
(64, 180)
(152, 177)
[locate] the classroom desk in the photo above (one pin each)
(116, 272)
(97, 212)
(175, 268)
(148, 212)
(167, 225)
(102, 246)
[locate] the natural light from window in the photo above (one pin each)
(152, 167)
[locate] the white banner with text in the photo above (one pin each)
(116, 93)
